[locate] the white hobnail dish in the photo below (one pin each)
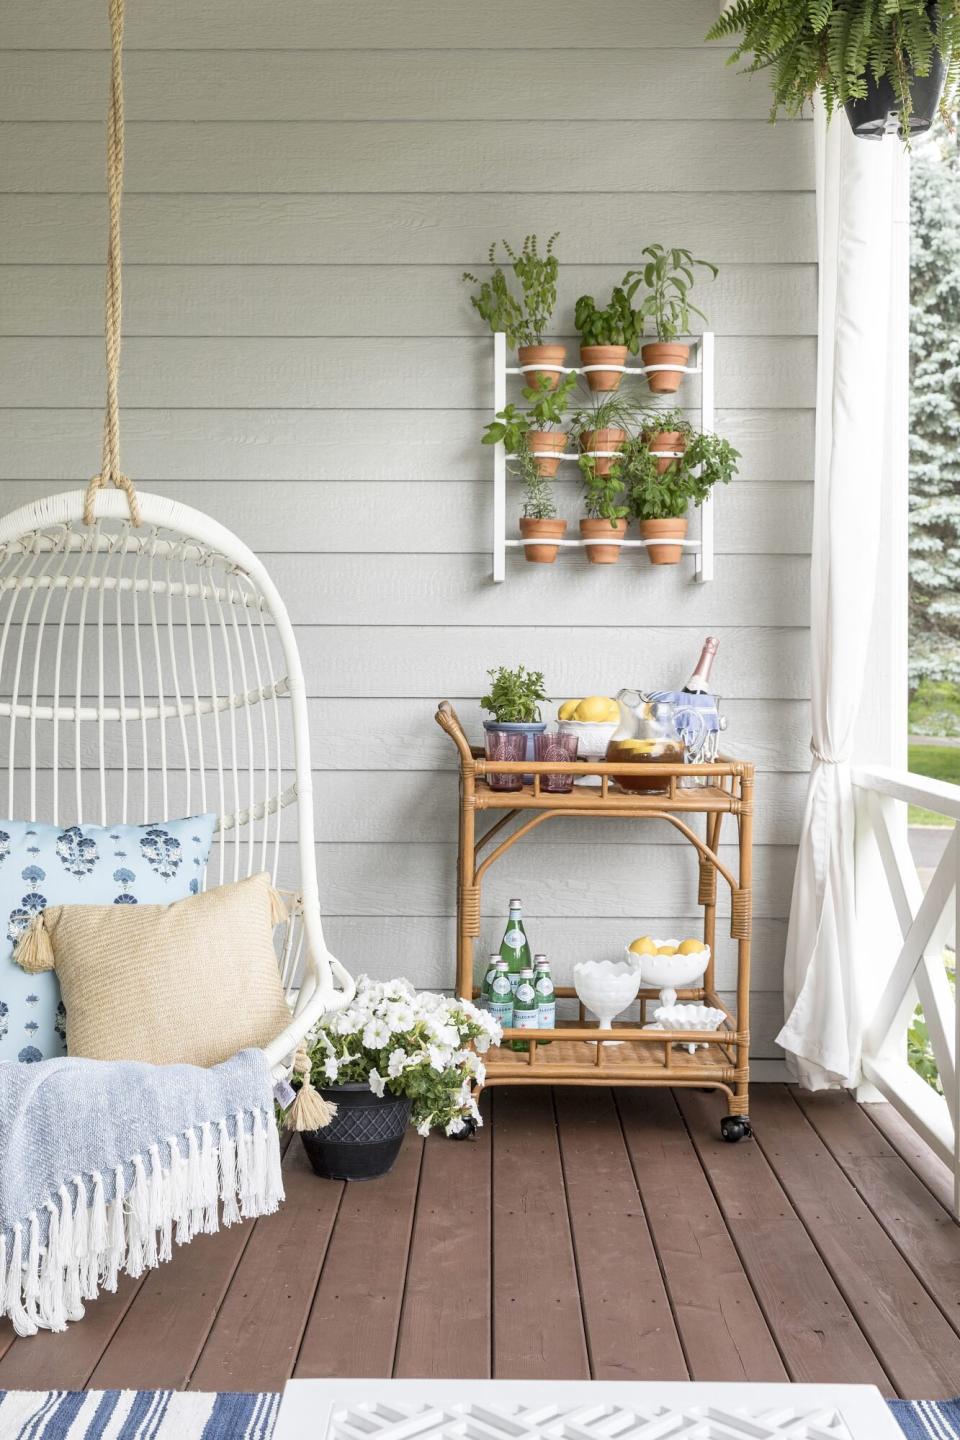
(689, 1017)
(607, 986)
(593, 737)
(670, 973)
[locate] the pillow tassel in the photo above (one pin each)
(34, 953)
(309, 1111)
(279, 915)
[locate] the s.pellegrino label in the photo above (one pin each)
(525, 1010)
(500, 1004)
(514, 947)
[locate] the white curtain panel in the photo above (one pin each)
(862, 309)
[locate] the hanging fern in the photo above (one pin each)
(835, 45)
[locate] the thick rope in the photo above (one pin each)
(110, 473)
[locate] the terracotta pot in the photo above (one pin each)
(546, 447)
(664, 382)
(666, 530)
(599, 529)
(603, 355)
(545, 529)
(546, 355)
(664, 440)
(607, 439)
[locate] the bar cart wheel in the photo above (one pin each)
(735, 1127)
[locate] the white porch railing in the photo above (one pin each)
(904, 932)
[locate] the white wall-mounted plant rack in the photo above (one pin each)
(701, 546)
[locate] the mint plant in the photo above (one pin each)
(515, 695)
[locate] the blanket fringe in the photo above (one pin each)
(223, 1177)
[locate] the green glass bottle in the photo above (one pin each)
(546, 995)
(525, 1009)
(514, 947)
(500, 1005)
(487, 986)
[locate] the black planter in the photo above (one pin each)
(878, 113)
(363, 1139)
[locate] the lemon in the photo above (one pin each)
(643, 946)
(691, 947)
(596, 710)
(568, 710)
(667, 950)
(636, 747)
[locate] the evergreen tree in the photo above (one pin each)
(935, 412)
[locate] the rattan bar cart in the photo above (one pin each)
(634, 1056)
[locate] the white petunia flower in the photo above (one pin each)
(439, 1057)
(424, 1127)
(376, 1034)
(331, 1068)
(401, 1015)
(377, 1083)
(455, 1126)
(397, 1063)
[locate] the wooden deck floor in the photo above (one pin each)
(583, 1234)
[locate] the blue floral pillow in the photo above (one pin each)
(43, 865)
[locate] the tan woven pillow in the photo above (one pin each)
(192, 982)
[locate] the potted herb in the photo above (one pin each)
(606, 336)
(668, 276)
(606, 517)
(665, 430)
(883, 61)
(539, 519)
(390, 1057)
(524, 318)
(514, 702)
(660, 500)
(539, 427)
(603, 426)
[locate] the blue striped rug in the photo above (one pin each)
(135, 1415)
(173, 1415)
(928, 1419)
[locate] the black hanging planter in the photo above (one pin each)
(363, 1139)
(878, 113)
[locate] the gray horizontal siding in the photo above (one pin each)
(304, 186)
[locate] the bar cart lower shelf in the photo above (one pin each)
(574, 1053)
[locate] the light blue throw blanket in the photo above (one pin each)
(103, 1164)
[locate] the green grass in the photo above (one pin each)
(935, 709)
(938, 762)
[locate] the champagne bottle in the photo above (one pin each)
(514, 947)
(699, 682)
(526, 1012)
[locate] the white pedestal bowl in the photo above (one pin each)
(671, 973)
(607, 986)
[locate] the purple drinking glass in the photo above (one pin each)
(555, 747)
(504, 745)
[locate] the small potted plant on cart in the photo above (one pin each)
(668, 277)
(514, 701)
(393, 1057)
(659, 501)
(524, 318)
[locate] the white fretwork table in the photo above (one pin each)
(579, 1410)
